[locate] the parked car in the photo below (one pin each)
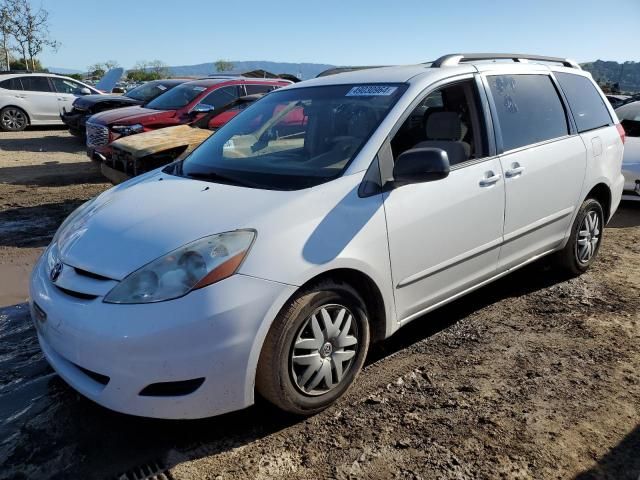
(37, 98)
(270, 258)
(138, 154)
(618, 100)
(629, 116)
(85, 107)
(182, 105)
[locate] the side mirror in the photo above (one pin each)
(85, 91)
(202, 108)
(420, 165)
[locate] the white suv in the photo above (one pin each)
(326, 215)
(37, 99)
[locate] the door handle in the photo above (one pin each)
(516, 169)
(490, 179)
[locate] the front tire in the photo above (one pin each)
(13, 119)
(315, 349)
(586, 236)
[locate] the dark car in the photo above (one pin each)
(89, 105)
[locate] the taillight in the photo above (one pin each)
(621, 132)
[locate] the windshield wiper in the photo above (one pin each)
(216, 177)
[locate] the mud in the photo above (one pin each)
(534, 376)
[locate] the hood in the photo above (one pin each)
(109, 80)
(88, 101)
(154, 141)
(631, 150)
(130, 116)
(136, 222)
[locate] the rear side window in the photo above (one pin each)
(36, 84)
(254, 89)
(587, 106)
(221, 97)
(529, 109)
(11, 84)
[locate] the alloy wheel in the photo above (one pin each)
(324, 349)
(588, 237)
(13, 119)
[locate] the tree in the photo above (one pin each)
(223, 65)
(109, 64)
(6, 29)
(22, 64)
(30, 29)
(96, 70)
(77, 76)
(159, 68)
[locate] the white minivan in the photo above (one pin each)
(324, 217)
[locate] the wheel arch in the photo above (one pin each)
(367, 288)
(602, 193)
(360, 281)
(20, 108)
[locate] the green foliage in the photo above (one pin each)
(143, 75)
(615, 77)
(20, 64)
(223, 65)
(77, 76)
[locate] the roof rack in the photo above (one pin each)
(457, 58)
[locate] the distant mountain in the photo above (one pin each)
(626, 74)
(303, 70)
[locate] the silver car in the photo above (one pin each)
(629, 116)
(37, 99)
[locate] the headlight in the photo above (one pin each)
(127, 129)
(190, 267)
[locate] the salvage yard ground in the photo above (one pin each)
(534, 376)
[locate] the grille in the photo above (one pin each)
(97, 135)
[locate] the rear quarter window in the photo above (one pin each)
(529, 109)
(11, 84)
(587, 106)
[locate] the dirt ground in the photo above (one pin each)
(534, 376)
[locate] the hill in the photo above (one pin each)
(626, 74)
(303, 70)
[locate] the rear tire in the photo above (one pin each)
(315, 349)
(13, 119)
(585, 239)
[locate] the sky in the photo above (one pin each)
(338, 32)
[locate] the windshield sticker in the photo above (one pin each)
(161, 87)
(229, 144)
(199, 89)
(371, 91)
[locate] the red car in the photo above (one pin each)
(184, 104)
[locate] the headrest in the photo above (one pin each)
(444, 126)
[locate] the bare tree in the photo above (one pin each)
(30, 28)
(5, 31)
(109, 64)
(160, 68)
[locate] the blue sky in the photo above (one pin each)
(340, 32)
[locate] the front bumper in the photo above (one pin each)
(631, 174)
(212, 333)
(75, 120)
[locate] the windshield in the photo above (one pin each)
(148, 91)
(177, 97)
(294, 138)
(629, 116)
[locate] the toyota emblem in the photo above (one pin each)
(55, 271)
